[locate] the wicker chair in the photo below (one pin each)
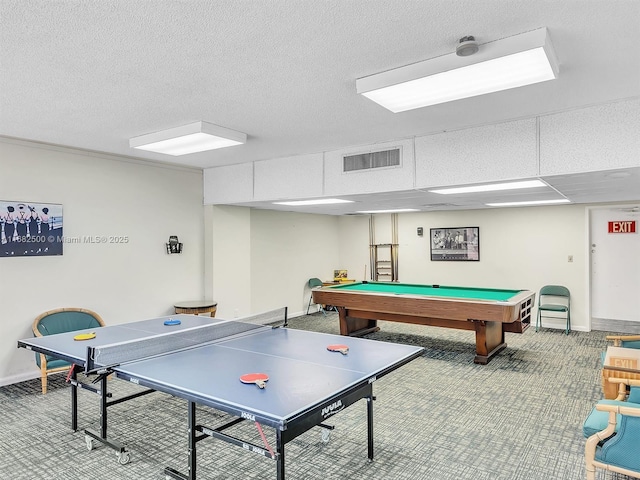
(59, 321)
(628, 396)
(626, 341)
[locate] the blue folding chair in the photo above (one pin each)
(559, 294)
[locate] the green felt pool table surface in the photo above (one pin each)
(471, 293)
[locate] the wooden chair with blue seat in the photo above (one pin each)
(60, 320)
(613, 431)
(628, 395)
(625, 341)
(556, 299)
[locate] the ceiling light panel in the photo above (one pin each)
(533, 202)
(320, 201)
(397, 210)
(186, 139)
(512, 62)
(491, 187)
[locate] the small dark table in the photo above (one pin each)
(195, 307)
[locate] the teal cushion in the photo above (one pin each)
(597, 420)
(634, 344)
(61, 322)
(52, 362)
(553, 307)
(634, 395)
(622, 449)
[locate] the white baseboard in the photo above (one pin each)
(21, 377)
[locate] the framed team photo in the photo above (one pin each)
(30, 229)
(455, 244)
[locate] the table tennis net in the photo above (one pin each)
(100, 357)
(277, 317)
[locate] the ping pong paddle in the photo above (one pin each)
(260, 379)
(85, 336)
(343, 349)
(172, 321)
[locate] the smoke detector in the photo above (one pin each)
(467, 46)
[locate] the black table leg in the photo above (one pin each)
(370, 427)
(103, 407)
(280, 451)
(73, 376)
(192, 441)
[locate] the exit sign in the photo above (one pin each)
(623, 362)
(623, 226)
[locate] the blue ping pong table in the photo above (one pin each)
(201, 359)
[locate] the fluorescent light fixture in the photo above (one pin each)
(192, 138)
(492, 187)
(397, 210)
(511, 62)
(533, 202)
(320, 201)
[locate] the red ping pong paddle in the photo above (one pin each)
(260, 379)
(343, 349)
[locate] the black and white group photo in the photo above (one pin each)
(30, 229)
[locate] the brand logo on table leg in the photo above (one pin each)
(332, 409)
(254, 449)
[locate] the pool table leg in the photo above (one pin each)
(489, 340)
(353, 326)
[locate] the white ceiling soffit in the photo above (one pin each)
(593, 187)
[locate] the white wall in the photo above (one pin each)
(263, 259)
(228, 259)
(353, 232)
(287, 249)
(101, 195)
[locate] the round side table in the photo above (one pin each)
(195, 307)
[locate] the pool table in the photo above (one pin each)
(489, 312)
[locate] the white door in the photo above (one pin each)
(615, 264)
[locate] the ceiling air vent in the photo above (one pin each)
(367, 161)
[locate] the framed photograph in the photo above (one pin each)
(29, 229)
(339, 275)
(455, 244)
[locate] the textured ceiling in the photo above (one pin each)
(92, 74)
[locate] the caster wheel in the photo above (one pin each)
(89, 441)
(123, 457)
(326, 435)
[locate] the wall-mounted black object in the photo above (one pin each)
(174, 245)
(420, 232)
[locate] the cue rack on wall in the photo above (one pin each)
(384, 256)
